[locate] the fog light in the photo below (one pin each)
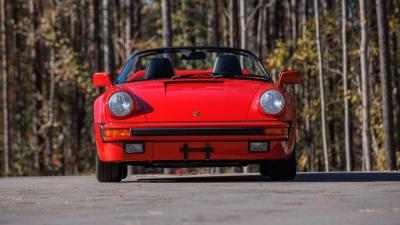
(134, 148)
(258, 147)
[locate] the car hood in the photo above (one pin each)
(189, 100)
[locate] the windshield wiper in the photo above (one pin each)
(242, 76)
(190, 76)
(219, 75)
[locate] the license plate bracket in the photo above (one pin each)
(207, 149)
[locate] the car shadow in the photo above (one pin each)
(301, 177)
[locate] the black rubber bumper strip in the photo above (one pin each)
(195, 131)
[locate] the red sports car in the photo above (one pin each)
(195, 106)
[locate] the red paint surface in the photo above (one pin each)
(101, 79)
(289, 77)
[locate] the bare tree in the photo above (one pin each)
(345, 89)
(35, 73)
(260, 25)
(4, 73)
(92, 35)
(167, 27)
(215, 22)
(106, 36)
(50, 102)
(396, 75)
(256, 14)
(233, 24)
(386, 82)
(267, 28)
(366, 141)
(308, 125)
(321, 86)
(304, 16)
(128, 27)
(243, 28)
(294, 13)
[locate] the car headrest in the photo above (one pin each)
(159, 68)
(227, 65)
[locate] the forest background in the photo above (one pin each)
(347, 51)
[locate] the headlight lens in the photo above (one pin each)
(272, 102)
(120, 104)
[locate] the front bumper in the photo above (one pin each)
(164, 141)
(211, 131)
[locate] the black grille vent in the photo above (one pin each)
(195, 131)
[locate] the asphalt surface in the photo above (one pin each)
(313, 198)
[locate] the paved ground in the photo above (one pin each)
(313, 198)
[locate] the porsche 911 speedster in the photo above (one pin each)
(195, 107)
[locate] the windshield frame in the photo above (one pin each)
(137, 54)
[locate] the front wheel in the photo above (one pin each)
(110, 172)
(282, 169)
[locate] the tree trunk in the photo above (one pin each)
(224, 25)
(243, 27)
(308, 124)
(304, 17)
(128, 26)
(396, 75)
(276, 22)
(92, 35)
(267, 28)
(167, 27)
(34, 71)
(4, 72)
(20, 97)
(137, 19)
(215, 23)
(50, 114)
(260, 25)
(294, 18)
(321, 87)
(106, 36)
(366, 140)
(233, 24)
(50, 100)
(386, 82)
(253, 22)
(345, 90)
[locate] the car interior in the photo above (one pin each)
(159, 68)
(227, 65)
(162, 68)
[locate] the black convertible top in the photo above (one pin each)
(142, 53)
(194, 48)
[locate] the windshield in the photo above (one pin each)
(192, 63)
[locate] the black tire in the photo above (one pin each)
(265, 168)
(284, 169)
(110, 172)
(124, 171)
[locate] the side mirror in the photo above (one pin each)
(289, 77)
(101, 79)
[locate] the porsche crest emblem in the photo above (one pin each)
(196, 113)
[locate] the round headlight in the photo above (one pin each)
(120, 104)
(272, 102)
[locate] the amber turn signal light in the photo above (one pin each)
(116, 132)
(276, 131)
